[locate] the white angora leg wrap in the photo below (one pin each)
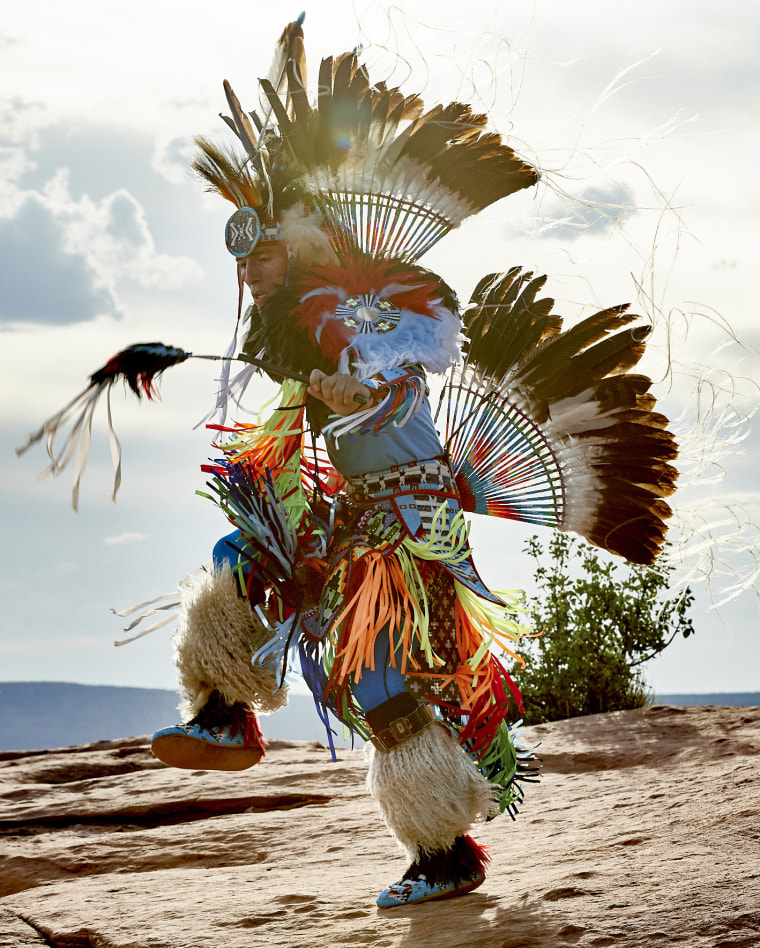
(214, 645)
(428, 790)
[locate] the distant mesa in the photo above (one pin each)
(37, 715)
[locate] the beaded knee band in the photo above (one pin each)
(400, 728)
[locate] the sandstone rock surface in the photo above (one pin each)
(645, 830)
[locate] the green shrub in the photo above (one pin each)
(595, 632)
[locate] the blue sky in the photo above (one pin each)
(643, 122)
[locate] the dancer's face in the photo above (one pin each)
(264, 270)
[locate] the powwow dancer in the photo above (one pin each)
(355, 556)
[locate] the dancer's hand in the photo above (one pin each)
(339, 392)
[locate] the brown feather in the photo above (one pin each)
(288, 49)
(243, 124)
(507, 322)
(275, 103)
(301, 110)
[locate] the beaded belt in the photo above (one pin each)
(419, 477)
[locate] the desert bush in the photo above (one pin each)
(594, 632)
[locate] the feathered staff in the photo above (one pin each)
(140, 366)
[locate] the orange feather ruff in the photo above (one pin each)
(322, 290)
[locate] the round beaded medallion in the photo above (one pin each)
(242, 232)
(368, 313)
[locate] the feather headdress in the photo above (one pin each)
(385, 176)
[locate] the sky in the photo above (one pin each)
(643, 122)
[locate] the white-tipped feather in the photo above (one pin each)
(289, 46)
(582, 413)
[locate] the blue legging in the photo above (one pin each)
(226, 554)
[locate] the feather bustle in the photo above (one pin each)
(593, 416)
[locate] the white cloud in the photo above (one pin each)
(42, 280)
(21, 120)
(597, 209)
(126, 538)
(114, 235)
(20, 124)
(64, 258)
(14, 162)
(172, 156)
(68, 251)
